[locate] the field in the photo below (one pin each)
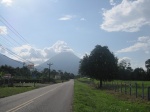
(19, 88)
(8, 91)
(134, 88)
(90, 99)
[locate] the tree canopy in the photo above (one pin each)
(147, 64)
(101, 64)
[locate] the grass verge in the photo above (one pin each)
(8, 91)
(19, 88)
(89, 99)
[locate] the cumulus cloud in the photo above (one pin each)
(128, 16)
(112, 2)
(38, 56)
(7, 2)
(3, 30)
(66, 17)
(143, 43)
(127, 59)
(58, 47)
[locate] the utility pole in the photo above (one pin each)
(49, 64)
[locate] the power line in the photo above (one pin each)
(15, 55)
(14, 30)
(16, 33)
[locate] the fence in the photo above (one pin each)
(139, 90)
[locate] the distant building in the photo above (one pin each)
(58, 76)
(7, 76)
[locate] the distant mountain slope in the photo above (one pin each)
(4, 60)
(64, 61)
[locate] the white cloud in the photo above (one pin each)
(7, 2)
(143, 43)
(58, 47)
(127, 59)
(3, 30)
(128, 16)
(38, 56)
(66, 17)
(112, 2)
(83, 19)
(134, 64)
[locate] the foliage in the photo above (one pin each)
(101, 64)
(147, 64)
(25, 75)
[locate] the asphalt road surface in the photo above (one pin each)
(53, 98)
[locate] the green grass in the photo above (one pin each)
(133, 88)
(19, 88)
(8, 91)
(89, 99)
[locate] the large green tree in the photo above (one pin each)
(84, 68)
(139, 74)
(101, 64)
(124, 70)
(147, 65)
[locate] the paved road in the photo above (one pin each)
(53, 98)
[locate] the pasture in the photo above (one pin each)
(87, 98)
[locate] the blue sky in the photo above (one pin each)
(54, 26)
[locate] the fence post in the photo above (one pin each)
(130, 89)
(148, 93)
(34, 83)
(112, 85)
(142, 90)
(125, 89)
(136, 90)
(115, 87)
(121, 87)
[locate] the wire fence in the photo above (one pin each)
(136, 89)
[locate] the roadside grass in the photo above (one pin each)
(19, 88)
(90, 99)
(8, 91)
(117, 84)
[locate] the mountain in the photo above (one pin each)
(65, 61)
(4, 60)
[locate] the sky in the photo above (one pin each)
(37, 30)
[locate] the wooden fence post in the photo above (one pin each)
(136, 90)
(121, 87)
(148, 93)
(115, 87)
(130, 89)
(142, 90)
(112, 85)
(125, 88)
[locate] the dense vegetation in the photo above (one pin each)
(26, 75)
(102, 65)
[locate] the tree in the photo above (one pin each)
(84, 68)
(124, 70)
(139, 74)
(101, 64)
(147, 65)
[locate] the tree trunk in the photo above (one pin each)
(100, 83)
